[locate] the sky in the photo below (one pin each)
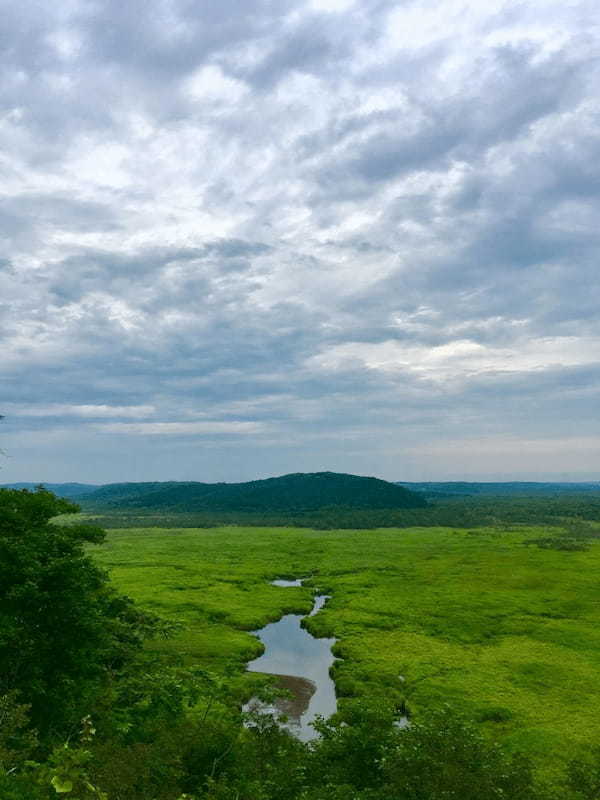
(252, 237)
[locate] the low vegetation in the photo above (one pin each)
(483, 619)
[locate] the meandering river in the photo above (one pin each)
(301, 663)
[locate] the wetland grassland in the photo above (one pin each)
(485, 620)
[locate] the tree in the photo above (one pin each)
(63, 630)
(445, 756)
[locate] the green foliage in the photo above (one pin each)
(367, 758)
(494, 714)
(67, 772)
(142, 766)
(497, 489)
(573, 513)
(63, 630)
(301, 492)
(70, 491)
(560, 543)
(583, 776)
(17, 740)
(443, 756)
(476, 618)
(354, 752)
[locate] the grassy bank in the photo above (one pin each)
(505, 630)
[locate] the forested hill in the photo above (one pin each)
(68, 490)
(499, 489)
(291, 493)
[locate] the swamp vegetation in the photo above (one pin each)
(484, 620)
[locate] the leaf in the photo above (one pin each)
(61, 785)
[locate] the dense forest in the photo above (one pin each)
(89, 710)
(501, 489)
(570, 516)
(299, 492)
(336, 501)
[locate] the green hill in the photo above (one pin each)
(500, 489)
(298, 492)
(67, 490)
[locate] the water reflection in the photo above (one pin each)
(320, 601)
(285, 583)
(301, 663)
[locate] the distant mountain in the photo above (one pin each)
(299, 491)
(114, 493)
(68, 490)
(499, 489)
(290, 493)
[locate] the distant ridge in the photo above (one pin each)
(297, 492)
(68, 490)
(113, 493)
(500, 488)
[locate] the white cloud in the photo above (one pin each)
(460, 359)
(85, 411)
(66, 42)
(210, 85)
(205, 428)
(325, 216)
(332, 6)
(512, 458)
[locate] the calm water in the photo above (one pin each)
(284, 583)
(301, 664)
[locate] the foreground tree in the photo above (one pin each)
(63, 630)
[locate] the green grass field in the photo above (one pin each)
(504, 630)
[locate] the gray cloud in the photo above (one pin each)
(255, 237)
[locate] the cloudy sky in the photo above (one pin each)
(250, 237)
